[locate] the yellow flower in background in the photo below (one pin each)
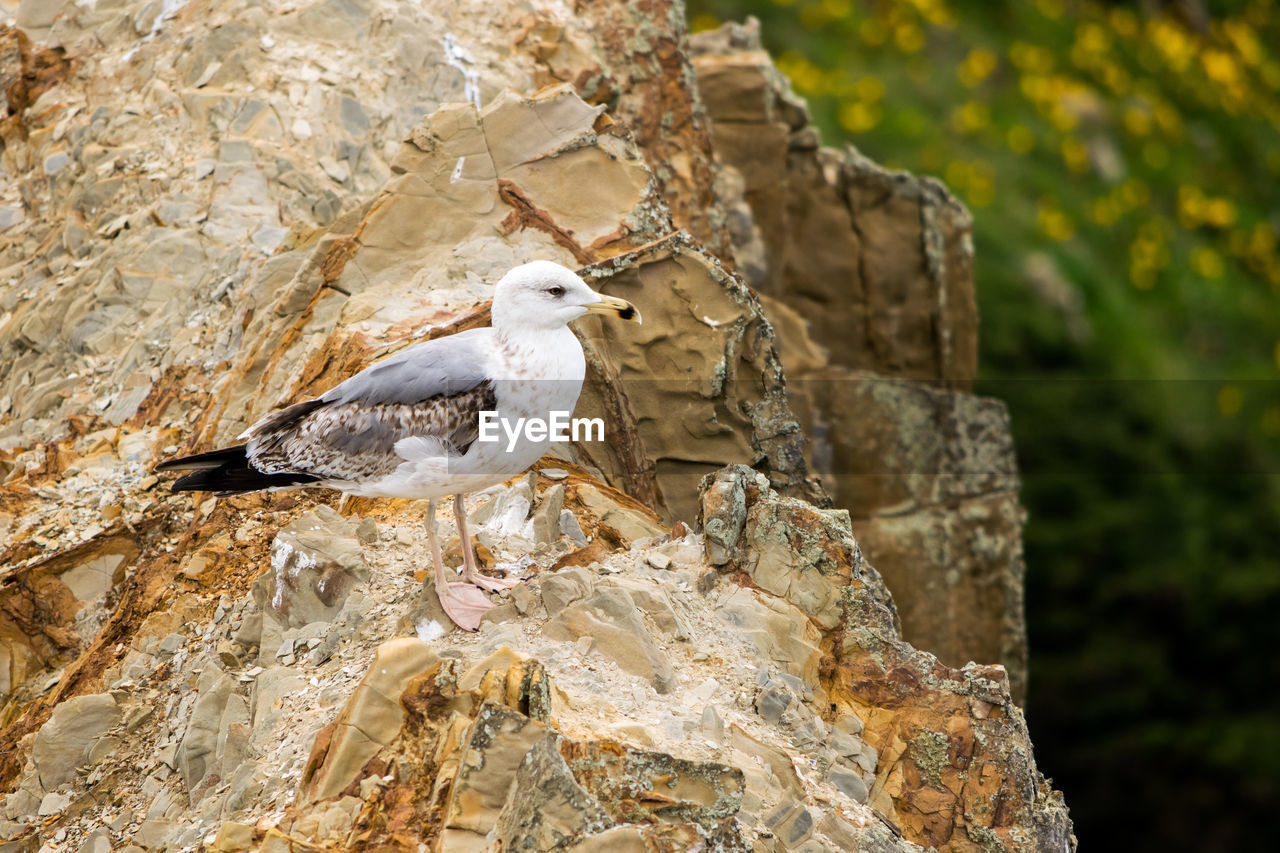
(977, 66)
(859, 117)
(837, 9)
(1135, 192)
(804, 75)
(1075, 154)
(1220, 67)
(1123, 21)
(1054, 222)
(1244, 39)
(869, 88)
(1207, 263)
(702, 23)
(1030, 57)
(970, 117)
(1106, 211)
(908, 37)
(873, 32)
(1137, 121)
(1230, 401)
(1220, 212)
(1020, 139)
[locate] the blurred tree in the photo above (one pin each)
(1121, 162)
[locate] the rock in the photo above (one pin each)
(546, 519)
(494, 751)
(98, 841)
(53, 803)
(780, 631)
(848, 783)
(852, 247)
(930, 479)
(315, 562)
(72, 731)
(370, 718)
(199, 753)
(233, 836)
(570, 527)
(545, 807)
(792, 823)
(251, 212)
(606, 612)
(790, 548)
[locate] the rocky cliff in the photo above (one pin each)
(214, 208)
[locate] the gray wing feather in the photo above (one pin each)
(443, 367)
(435, 389)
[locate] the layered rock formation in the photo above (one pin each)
(868, 275)
(215, 208)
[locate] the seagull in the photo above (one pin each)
(409, 426)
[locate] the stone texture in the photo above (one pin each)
(212, 211)
(867, 276)
(953, 762)
(315, 562)
(65, 742)
(370, 719)
(879, 263)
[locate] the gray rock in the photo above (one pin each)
(848, 783)
(197, 755)
(53, 803)
(712, 724)
(37, 14)
(98, 841)
(546, 519)
(791, 822)
(10, 215)
(546, 808)
(570, 527)
(152, 834)
(367, 531)
(608, 615)
(315, 562)
(66, 739)
(772, 702)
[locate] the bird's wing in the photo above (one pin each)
(439, 368)
(435, 390)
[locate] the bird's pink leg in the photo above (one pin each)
(464, 603)
(470, 572)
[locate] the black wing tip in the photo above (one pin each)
(227, 472)
(204, 461)
(225, 482)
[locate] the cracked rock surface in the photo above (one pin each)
(211, 209)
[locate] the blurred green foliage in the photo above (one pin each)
(1122, 163)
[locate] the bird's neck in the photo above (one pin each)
(540, 351)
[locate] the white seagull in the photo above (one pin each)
(407, 426)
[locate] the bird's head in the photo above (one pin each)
(545, 295)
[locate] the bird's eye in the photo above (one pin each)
(556, 290)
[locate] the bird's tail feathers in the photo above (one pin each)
(203, 461)
(227, 472)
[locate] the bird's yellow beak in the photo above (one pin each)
(614, 307)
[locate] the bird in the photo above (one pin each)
(409, 426)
